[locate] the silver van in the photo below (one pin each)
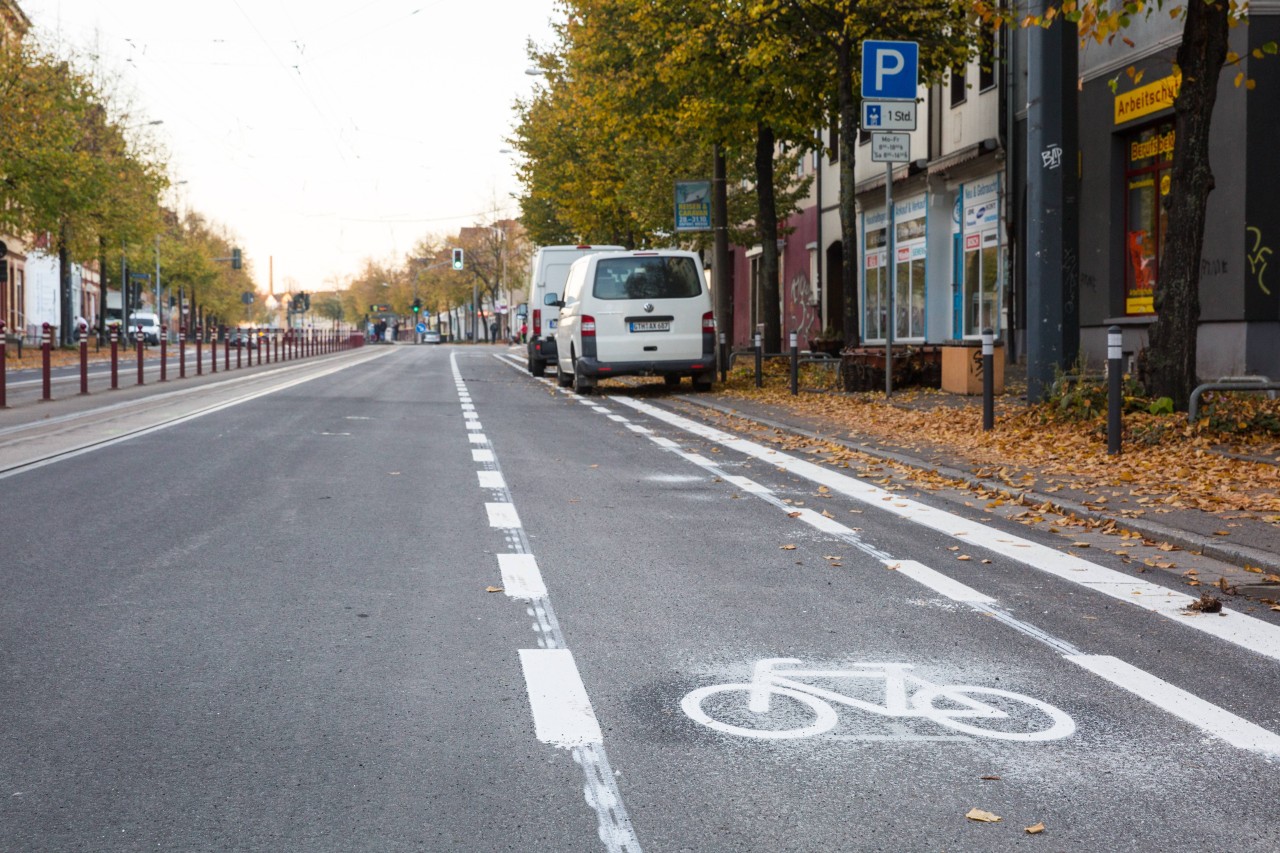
(547, 275)
(644, 313)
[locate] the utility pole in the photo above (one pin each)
(1053, 233)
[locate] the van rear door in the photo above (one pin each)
(648, 308)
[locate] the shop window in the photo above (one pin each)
(876, 284)
(909, 286)
(1148, 157)
(986, 59)
(981, 294)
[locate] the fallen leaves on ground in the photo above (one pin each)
(493, 589)
(983, 816)
(1207, 603)
(1035, 829)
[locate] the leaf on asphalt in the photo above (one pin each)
(794, 514)
(991, 778)
(1035, 829)
(394, 473)
(1079, 544)
(1208, 603)
(827, 514)
(983, 816)
(1167, 546)
(986, 562)
(1221, 533)
(964, 557)
(788, 547)
(953, 547)
(1254, 569)
(493, 589)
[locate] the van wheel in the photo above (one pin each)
(671, 379)
(537, 367)
(563, 379)
(702, 382)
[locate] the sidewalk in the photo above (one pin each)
(1232, 551)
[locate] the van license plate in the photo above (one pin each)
(652, 326)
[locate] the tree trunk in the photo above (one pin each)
(767, 225)
(1171, 355)
(848, 145)
(68, 312)
(720, 256)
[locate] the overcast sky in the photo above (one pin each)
(321, 132)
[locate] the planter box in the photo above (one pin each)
(962, 367)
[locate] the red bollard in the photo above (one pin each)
(226, 351)
(115, 357)
(4, 369)
(259, 337)
(213, 350)
(141, 356)
(46, 352)
(244, 345)
(164, 351)
(182, 351)
(84, 358)
(199, 350)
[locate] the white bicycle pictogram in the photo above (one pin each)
(955, 706)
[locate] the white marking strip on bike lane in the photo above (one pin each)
(1240, 629)
(558, 699)
(1203, 715)
(562, 713)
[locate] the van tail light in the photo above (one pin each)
(537, 322)
(588, 326)
(709, 322)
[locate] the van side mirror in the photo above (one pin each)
(553, 299)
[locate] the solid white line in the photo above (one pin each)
(502, 515)
(520, 576)
(938, 582)
(1203, 715)
(562, 713)
(484, 455)
(491, 480)
(1239, 629)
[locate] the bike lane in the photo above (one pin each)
(693, 584)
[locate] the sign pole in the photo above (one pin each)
(890, 257)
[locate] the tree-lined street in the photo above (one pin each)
(413, 597)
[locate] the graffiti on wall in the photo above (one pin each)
(803, 313)
(1257, 257)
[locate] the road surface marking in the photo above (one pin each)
(477, 438)
(484, 455)
(1203, 715)
(938, 582)
(562, 713)
(502, 515)
(520, 576)
(491, 480)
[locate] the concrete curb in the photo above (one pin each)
(1237, 555)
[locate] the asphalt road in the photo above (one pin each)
(412, 598)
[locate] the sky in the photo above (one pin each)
(320, 132)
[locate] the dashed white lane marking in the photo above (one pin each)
(473, 425)
(482, 455)
(502, 515)
(1239, 629)
(1203, 715)
(640, 429)
(618, 419)
(562, 713)
(938, 582)
(562, 702)
(477, 438)
(1206, 716)
(520, 576)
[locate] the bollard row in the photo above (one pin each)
(289, 345)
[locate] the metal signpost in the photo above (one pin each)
(890, 80)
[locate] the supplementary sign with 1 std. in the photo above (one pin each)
(888, 115)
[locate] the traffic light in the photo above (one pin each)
(236, 261)
(417, 306)
(457, 259)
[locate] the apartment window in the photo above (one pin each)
(958, 85)
(986, 59)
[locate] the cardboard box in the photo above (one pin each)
(962, 367)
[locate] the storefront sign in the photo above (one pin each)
(1148, 99)
(1156, 146)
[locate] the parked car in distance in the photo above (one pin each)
(430, 336)
(149, 324)
(547, 275)
(645, 313)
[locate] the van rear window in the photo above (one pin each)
(646, 278)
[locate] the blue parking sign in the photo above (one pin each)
(890, 70)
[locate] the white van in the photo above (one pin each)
(644, 313)
(548, 273)
(148, 322)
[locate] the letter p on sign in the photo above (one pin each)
(890, 70)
